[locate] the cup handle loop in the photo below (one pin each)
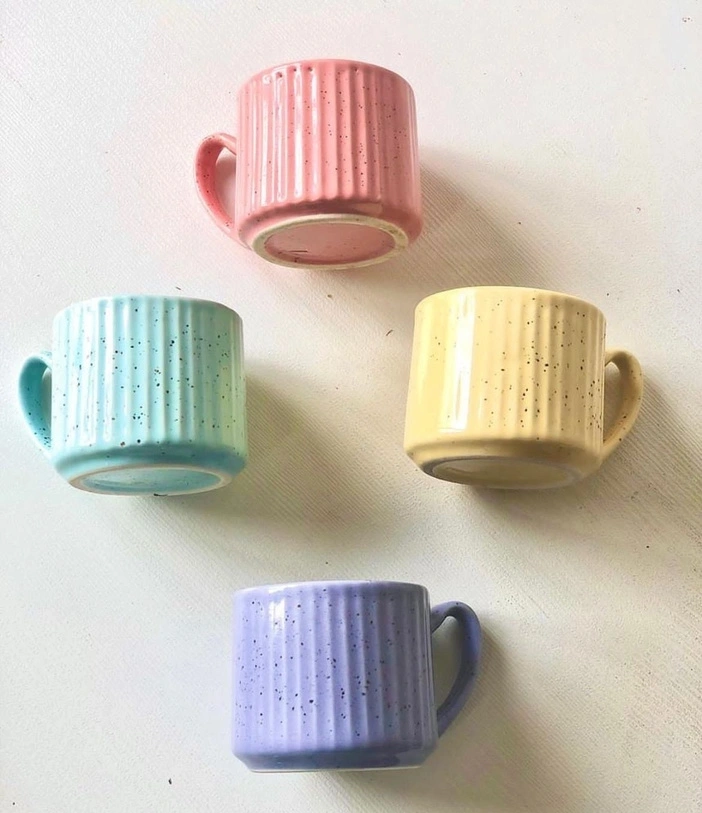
(631, 384)
(205, 177)
(34, 407)
(471, 641)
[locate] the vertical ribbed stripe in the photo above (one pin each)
(362, 663)
(355, 126)
(280, 136)
(314, 732)
(370, 101)
(261, 112)
(377, 645)
(296, 133)
(327, 107)
(402, 654)
(344, 656)
(257, 122)
(272, 677)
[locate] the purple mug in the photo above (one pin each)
(338, 675)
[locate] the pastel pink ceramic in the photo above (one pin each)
(327, 172)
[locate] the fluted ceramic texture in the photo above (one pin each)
(316, 134)
(501, 363)
(332, 675)
(140, 371)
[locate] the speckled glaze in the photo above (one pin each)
(507, 388)
(338, 675)
(327, 165)
(147, 395)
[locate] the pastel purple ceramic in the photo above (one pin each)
(338, 675)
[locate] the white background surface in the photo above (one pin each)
(561, 148)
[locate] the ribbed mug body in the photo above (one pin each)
(327, 164)
(147, 390)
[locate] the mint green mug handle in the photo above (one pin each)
(31, 396)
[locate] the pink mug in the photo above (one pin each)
(327, 172)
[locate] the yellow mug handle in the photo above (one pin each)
(631, 383)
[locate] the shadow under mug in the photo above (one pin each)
(327, 168)
(147, 395)
(337, 675)
(507, 388)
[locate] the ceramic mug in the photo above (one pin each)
(327, 171)
(507, 388)
(338, 675)
(147, 395)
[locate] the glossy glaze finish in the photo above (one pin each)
(507, 388)
(327, 165)
(147, 395)
(338, 675)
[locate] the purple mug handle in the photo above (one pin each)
(471, 639)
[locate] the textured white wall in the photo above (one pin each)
(560, 146)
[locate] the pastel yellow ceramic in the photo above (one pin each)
(507, 388)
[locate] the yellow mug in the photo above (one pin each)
(507, 388)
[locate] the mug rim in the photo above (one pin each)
(95, 300)
(318, 583)
(310, 61)
(513, 288)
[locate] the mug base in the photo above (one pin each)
(330, 241)
(506, 464)
(158, 480)
(349, 759)
(151, 470)
(495, 472)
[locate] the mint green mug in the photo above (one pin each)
(147, 395)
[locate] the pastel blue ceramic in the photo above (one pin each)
(338, 675)
(147, 395)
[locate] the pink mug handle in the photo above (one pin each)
(205, 162)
